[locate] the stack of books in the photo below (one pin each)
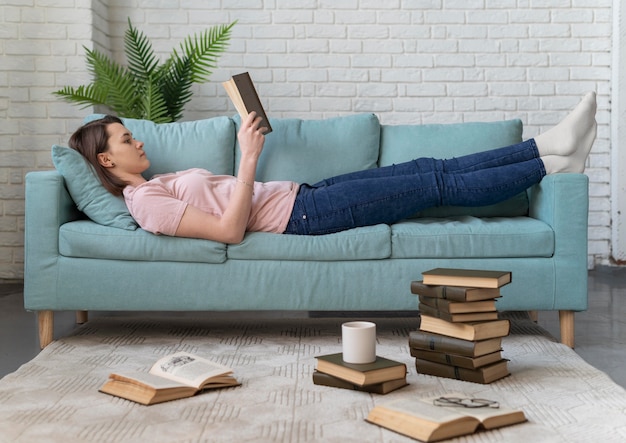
(460, 333)
(380, 377)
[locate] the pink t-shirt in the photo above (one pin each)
(159, 204)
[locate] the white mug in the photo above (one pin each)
(358, 339)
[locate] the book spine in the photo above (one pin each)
(443, 292)
(441, 343)
(441, 370)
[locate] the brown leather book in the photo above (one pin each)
(456, 318)
(383, 369)
(454, 293)
(475, 278)
(457, 360)
(484, 375)
(466, 331)
(457, 307)
(436, 342)
(319, 378)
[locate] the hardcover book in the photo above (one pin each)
(467, 277)
(422, 420)
(467, 331)
(437, 342)
(456, 307)
(176, 376)
(454, 293)
(457, 360)
(484, 375)
(319, 378)
(456, 318)
(242, 93)
(383, 369)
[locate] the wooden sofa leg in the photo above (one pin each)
(534, 315)
(566, 320)
(46, 328)
(82, 317)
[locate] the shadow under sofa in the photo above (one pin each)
(83, 251)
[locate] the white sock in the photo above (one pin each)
(575, 132)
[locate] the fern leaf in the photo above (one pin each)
(141, 59)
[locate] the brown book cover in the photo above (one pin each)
(475, 278)
(454, 293)
(456, 307)
(457, 360)
(420, 419)
(383, 369)
(242, 93)
(319, 378)
(467, 331)
(484, 375)
(457, 318)
(442, 343)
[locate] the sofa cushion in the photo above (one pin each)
(367, 243)
(171, 147)
(86, 239)
(307, 151)
(472, 237)
(88, 193)
(402, 143)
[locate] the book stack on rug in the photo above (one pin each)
(460, 334)
(380, 377)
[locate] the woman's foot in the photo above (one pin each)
(565, 147)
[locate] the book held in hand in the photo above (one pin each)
(243, 94)
(176, 376)
(475, 278)
(419, 418)
(383, 369)
(319, 378)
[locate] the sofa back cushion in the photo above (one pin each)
(172, 147)
(307, 151)
(402, 143)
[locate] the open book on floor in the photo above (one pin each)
(176, 376)
(419, 418)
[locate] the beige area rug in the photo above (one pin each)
(55, 398)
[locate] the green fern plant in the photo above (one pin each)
(146, 89)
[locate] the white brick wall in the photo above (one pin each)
(409, 61)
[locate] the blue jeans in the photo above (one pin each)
(392, 193)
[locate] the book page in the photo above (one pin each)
(481, 414)
(147, 379)
(188, 369)
(424, 410)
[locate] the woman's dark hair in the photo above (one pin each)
(92, 139)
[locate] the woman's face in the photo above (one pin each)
(124, 155)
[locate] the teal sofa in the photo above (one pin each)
(83, 251)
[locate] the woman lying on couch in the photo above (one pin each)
(195, 203)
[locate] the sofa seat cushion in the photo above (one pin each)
(472, 237)
(86, 239)
(367, 243)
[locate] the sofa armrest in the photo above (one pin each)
(48, 205)
(562, 201)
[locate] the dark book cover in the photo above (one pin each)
(456, 318)
(476, 278)
(456, 307)
(442, 343)
(319, 378)
(457, 360)
(454, 293)
(485, 375)
(251, 99)
(383, 369)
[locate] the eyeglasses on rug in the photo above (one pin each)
(466, 402)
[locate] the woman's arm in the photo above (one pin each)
(231, 226)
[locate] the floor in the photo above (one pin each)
(600, 331)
